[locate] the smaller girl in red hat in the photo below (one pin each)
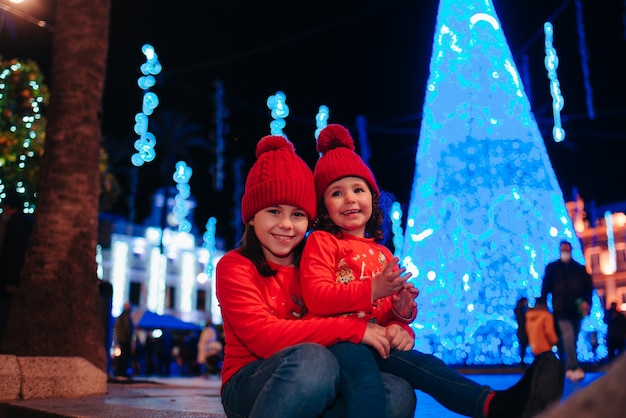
(346, 272)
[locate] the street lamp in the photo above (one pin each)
(41, 23)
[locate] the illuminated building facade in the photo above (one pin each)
(603, 240)
(163, 273)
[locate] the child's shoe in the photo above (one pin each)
(540, 387)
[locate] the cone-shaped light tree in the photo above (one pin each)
(486, 213)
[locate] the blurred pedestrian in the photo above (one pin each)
(520, 316)
(106, 295)
(123, 334)
(616, 331)
(571, 288)
(210, 351)
(540, 327)
(16, 235)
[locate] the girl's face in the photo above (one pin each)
(349, 204)
(280, 229)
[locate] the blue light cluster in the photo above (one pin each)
(278, 105)
(146, 142)
(181, 176)
(321, 119)
(486, 213)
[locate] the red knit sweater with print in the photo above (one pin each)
(336, 277)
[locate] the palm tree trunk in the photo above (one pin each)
(57, 309)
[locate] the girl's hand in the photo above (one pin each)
(399, 338)
(376, 337)
(404, 301)
(389, 282)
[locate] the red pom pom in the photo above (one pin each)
(272, 143)
(334, 136)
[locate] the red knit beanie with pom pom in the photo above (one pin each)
(339, 160)
(278, 177)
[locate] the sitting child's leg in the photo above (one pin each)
(400, 400)
(400, 397)
(361, 385)
(541, 385)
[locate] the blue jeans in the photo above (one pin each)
(301, 381)
(431, 375)
(361, 385)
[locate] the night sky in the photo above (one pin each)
(368, 58)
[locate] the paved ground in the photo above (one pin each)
(191, 397)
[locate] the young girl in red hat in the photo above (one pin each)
(346, 273)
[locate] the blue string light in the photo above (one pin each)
(552, 63)
(220, 130)
(181, 176)
(610, 241)
(364, 145)
(209, 243)
(277, 104)
(146, 142)
(582, 48)
(396, 228)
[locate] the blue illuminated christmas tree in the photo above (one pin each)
(486, 212)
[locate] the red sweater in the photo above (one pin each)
(336, 277)
(263, 315)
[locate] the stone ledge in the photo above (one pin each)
(10, 378)
(49, 377)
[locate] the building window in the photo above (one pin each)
(620, 258)
(602, 297)
(170, 297)
(201, 300)
(595, 263)
(135, 293)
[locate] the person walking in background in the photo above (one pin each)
(540, 327)
(520, 316)
(276, 360)
(344, 266)
(106, 297)
(571, 288)
(615, 331)
(209, 350)
(123, 334)
(17, 229)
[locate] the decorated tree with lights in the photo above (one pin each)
(486, 213)
(23, 96)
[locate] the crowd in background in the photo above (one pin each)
(165, 352)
